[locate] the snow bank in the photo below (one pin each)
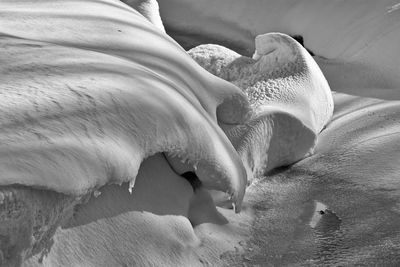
(90, 89)
(290, 98)
(83, 108)
(93, 106)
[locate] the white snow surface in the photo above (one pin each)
(290, 99)
(356, 41)
(353, 173)
(83, 106)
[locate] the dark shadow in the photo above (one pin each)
(188, 40)
(278, 170)
(192, 178)
(300, 39)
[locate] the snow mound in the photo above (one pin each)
(290, 99)
(94, 94)
(90, 89)
(83, 108)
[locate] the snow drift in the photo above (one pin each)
(353, 171)
(290, 99)
(89, 90)
(83, 107)
(75, 100)
(107, 99)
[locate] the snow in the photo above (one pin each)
(290, 98)
(356, 41)
(110, 98)
(149, 9)
(84, 110)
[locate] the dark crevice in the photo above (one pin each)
(300, 39)
(192, 178)
(188, 40)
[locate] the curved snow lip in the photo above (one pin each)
(83, 110)
(304, 85)
(290, 99)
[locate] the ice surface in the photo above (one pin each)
(353, 174)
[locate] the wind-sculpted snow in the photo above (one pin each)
(290, 98)
(92, 93)
(89, 90)
(84, 107)
(97, 100)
